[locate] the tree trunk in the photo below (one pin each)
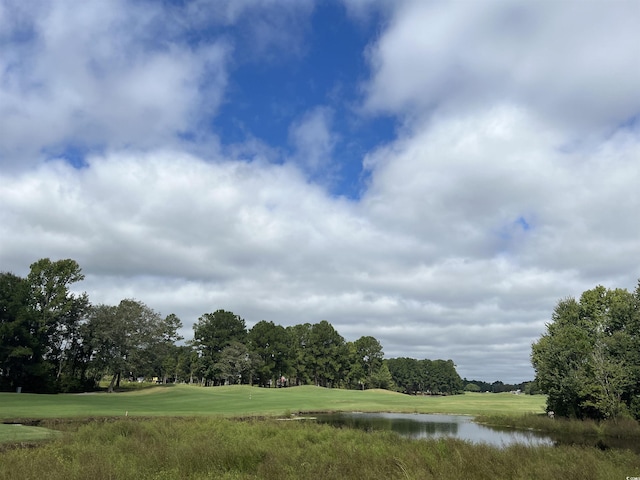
(112, 383)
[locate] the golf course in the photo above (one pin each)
(236, 432)
(242, 400)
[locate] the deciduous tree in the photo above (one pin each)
(129, 339)
(57, 310)
(368, 356)
(587, 361)
(21, 358)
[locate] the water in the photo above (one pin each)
(419, 426)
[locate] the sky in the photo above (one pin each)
(435, 174)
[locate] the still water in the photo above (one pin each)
(434, 426)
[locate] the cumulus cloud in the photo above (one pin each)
(83, 73)
(191, 236)
(249, 236)
(115, 74)
(466, 55)
(498, 182)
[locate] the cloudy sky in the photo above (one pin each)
(435, 174)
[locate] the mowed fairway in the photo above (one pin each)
(184, 400)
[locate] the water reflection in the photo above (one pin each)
(434, 426)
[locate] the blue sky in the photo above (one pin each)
(324, 74)
(435, 174)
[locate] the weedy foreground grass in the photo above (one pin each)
(617, 428)
(216, 447)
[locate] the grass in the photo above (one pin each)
(218, 447)
(242, 401)
(186, 432)
(184, 400)
(11, 433)
(618, 428)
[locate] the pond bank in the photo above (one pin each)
(619, 433)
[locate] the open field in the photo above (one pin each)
(184, 400)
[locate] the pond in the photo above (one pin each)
(435, 426)
(422, 425)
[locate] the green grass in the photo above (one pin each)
(618, 428)
(184, 400)
(13, 433)
(222, 448)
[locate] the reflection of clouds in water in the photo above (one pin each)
(483, 434)
(425, 426)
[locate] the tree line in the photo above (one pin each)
(54, 340)
(529, 388)
(588, 360)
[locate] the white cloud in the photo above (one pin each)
(189, 236)
(460, 180)
(86, 75)
(313, 139)
(465, 185)
(574, 62)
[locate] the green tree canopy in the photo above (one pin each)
(129, 339)
(367, 359)
(426, 376)
(588, 360)
(57, 310)
(300, 360)
(328, 354)
(21, 359)
(271, 343)
(211, 334)
(236, 362)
